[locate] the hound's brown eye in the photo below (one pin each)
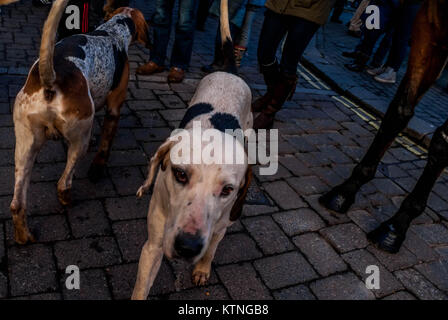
(226, 191)
(180, 175)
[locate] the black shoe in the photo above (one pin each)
(212, 68)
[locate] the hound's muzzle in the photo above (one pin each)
(188, 245)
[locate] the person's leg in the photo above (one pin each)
(292, 51)
(272, 32)
(243, 40)
(297, 28)
(402, 35)
(204, 6)
(383, 49)
(183, 41)
(161, 24)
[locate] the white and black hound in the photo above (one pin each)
(193, 204)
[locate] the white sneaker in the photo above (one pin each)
(376, 71)
(388, 76)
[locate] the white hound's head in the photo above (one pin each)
(197, 199)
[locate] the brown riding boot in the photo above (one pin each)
(149, 68)
(282, 91)
(271, 76)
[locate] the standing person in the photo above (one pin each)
(300, 20)
(183, 41)
(356, 22)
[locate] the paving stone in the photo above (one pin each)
(363, 220)
(341, 287)
(183, 271)
(124, 208)
(88, 219)
(254, 210)
(44, 229)
(345, 237)
(418, 285)
(298, 221)
(284, 195)
(92, 286)
(242, 282)
(293, 164)
(3, 285)
(215, 292)
(85, 190)
(299, 292)
(433, 234)
(127, 158)
(419, 247)
(127, 180)
(403, 259)
(307, 185)
(87, 253)
(236, 247)
(359, 260)
(401, 295)
(31, 269)
(268, 235)
(436, 272)
(42, 296)
(172, 102)
(321, 255)
(131, 235)
(284, 270)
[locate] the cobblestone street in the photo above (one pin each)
(285, 246)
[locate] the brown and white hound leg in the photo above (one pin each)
(78, 142)
(152, 253)
(425, 64)
(114, 101)
(201, 271)
(29, 140)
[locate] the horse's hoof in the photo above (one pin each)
(337, 201)
(386, 237)
(96, 172)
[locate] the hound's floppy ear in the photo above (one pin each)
(154, 163)
(237, 208)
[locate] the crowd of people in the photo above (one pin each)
(283, 20)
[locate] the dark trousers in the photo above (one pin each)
(338, 9)
(400, 18)
(275, 27)
(183, 40)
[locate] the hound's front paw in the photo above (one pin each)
(200, 277)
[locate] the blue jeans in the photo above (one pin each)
(275, 27)
(183, 40)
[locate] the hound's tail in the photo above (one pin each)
(226, 38)
(46, 68)
(5, 2)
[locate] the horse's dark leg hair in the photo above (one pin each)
(390, 234)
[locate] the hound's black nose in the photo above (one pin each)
(188, 245)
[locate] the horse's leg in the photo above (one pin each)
(426, 60)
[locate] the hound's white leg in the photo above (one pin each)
(201, 271)
(151, 255)
(78, 141)
(28, 143)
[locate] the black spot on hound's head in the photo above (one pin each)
(194, 111)
(222, 121)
